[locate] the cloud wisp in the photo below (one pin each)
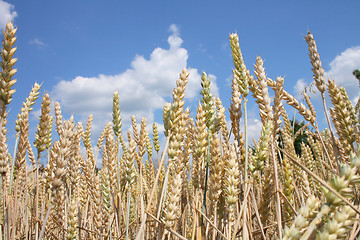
(37, 42)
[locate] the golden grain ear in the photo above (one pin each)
(6, 90)
(316, 63)
(7, 64)
(178, 119)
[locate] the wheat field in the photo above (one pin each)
(207, 182)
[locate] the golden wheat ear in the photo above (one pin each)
(7, 63)
(6, 91)
(178, 120)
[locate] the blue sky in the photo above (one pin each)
(83, 51)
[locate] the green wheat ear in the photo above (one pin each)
(116, 115)
(43, 135)
(208, 103)
(240, 68)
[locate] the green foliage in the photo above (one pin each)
(356, 73)
(301, 137)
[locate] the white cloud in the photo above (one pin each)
(299, 88)
(174, 29)
(142, 88)
(37, 42)
(254, 127)
(214, 88)
(7, 13)
(341, 69)
(35, 114)
(174, 39)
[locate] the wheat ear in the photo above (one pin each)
(21, 174)
(260, 91)
(341, 118)
(30, 101)
(142, 138)
(231, 184)
(200, 145)
(235, 107)
(43, 133)
(240, 69)
(309, 103)
(305, 215)
(112, 154)
(176, 133)
(6, 91)
(7, 64)
(316, 63)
